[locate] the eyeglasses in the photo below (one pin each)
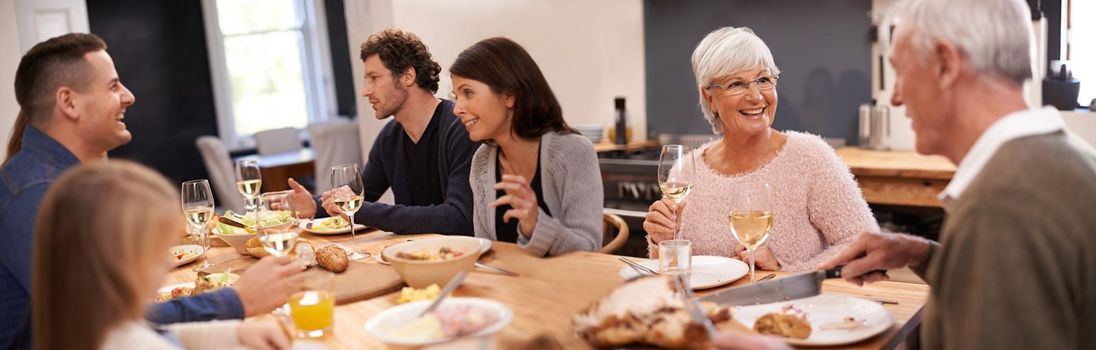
(736, 88)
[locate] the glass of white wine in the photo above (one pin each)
(249, 181)
(277, 237)
(279, 243)
(751, 217)
(348, 196)
(675, 176)
(198, 205)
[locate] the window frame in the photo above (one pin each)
(317, 72)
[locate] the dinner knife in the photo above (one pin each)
(498, 270)
(797, 286)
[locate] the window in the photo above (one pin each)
(270, 65)
(1081, 49)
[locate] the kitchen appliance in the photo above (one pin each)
(619, 122)
(630, 181)
(875, 127)
(1060, 89)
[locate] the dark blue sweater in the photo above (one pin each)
(386, 168)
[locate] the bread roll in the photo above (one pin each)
(332, 258)
(255, 248)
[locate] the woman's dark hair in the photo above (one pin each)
(399, 50)
(507, 68)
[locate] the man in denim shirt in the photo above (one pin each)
(72, 110)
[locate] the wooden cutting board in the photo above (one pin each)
(360, 281)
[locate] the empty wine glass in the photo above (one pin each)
(348, 194)
(197, 200)
(249, 181)
(675, 176)
(751, 217)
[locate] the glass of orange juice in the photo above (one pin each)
(313, 308)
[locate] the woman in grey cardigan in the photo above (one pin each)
(535, 181)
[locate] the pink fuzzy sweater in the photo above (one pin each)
(818, 207)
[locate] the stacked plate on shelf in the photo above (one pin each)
(592, 132)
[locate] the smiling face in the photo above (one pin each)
(383, 89)
(486, 114)
(101, 106)
(751, 113)
(917, 87)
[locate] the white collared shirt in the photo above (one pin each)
(1015, 125)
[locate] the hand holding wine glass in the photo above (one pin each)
(348, 196)
(675, 176)
(197, 202)
(751, 217)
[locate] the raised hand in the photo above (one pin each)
(301, 198)
(523, 201)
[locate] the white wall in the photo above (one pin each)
(362, 19)
(9, 61)
(590, 51)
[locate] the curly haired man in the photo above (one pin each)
(422, 155)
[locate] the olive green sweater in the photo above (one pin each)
(1016, 268)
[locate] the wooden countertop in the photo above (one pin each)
(864, 162)
(632, 146)
(551, 291)
(898, 177)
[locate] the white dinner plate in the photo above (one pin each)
(827, 309)
(385, 326)
(305, 226)
(707, 271)
(193, 251)
(485, 245)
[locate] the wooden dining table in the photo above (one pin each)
(550, 291)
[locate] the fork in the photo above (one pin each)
(643, 270)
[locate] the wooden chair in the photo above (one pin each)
(614, 233)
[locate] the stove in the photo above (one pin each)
(630, 181)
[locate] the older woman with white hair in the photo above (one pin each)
(817, 205)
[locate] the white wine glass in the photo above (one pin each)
(348, 196)
(249, 181)
(675, 176)
(751, 217)
(277, 237)
(197, 200)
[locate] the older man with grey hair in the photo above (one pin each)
(1016, 264)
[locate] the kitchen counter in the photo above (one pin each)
(603, 146)
(898, 177)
